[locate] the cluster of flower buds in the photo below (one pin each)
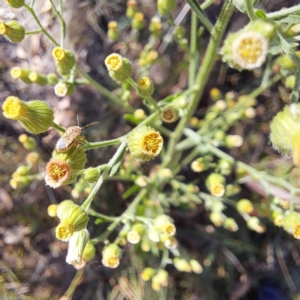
(148, 57)
(183, 265)
(159, 278)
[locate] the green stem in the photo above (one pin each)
(98, 215)
(151, 101)
(104, 91)
(62, 22)
(194, 56)
(250, 10)
(199, 13)
(59, 128)
(284, 12)
(295, 92)
(87, 203)
(33, 32)
(202, 76)
(95, 145)
(262, 88)
(118, 220)
(207, 4)
(31, 11)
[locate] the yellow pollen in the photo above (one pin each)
(112, 25)
(113, 262)
(3, 28)
(218, 190)
(13, 108)
(33, 76)
(58, 171)
(64, 231)
(152, 143)
(170, 229)
(139, 17)
(250, 49)
(58, 53)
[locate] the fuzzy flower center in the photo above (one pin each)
(152, 143)
(13, 108)
(170, 229)
(169, 115)
(145, 83)
(250, 49)
(218, 190)
(64, 231)
(111, 262)
(114, 62)
(58, 53)
(61, 89)
(58, 171)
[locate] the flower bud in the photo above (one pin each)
(40, 79)
(64, 60)
(155, 26)
(29, 144)
(147, 274)
(119, 68)
(15, 3)
(113, 32)
(91, 175)
(35, 116)
(216, 184)
(230, 224)
(285, 132)
(139, 114)
(265, 28)
(63, 167)
(289, 81)
(169, 115)
(111, 256)
(77, 243)
(13, 30)
(165, 7)
(201, 164)
(285, 62)
(138, 21)
(18, 73)
(290, 221)
(88, 252)
(253, 223)
(215, 94)
(131, 9)
(145, 143)
(51, 210)
(182, 265)
(233, 141)
(164, 224)
(62, 207)
(217, 218)
(73, 218)
(244, 206)
(232, 190)
(160, 279)
(63, 89)
(145, 87)
(225, 167)
(171, 243)
(52, 79)
(32, 158)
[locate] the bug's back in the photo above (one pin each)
(68, 138)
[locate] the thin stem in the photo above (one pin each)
(98, 215)
(31, 11)
(193, 51)
(250, 10)
(59, 128)
(262, 88)
(295, 92)
(95, 145)
(148, 98)
(203, 75)
(200, 15)
(62, 22)
(32, 3)
(104, 91)
(33, 32)
(118, 220)
(283, 12)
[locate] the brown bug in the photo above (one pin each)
(71, 137)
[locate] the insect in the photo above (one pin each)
(71, 137)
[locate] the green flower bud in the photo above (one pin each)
(73, 218)
(18, 73)
(63, 89)
(77, 244)
(30, 144)
(63, 167)
(155, 26)
(131, 9)
(233, 141)
(182, 265)
(285, 132)
(165, 7)
(215, 94)
(91, 175)
(230, 224)
(35, 116)
(232, 189)
(159, 280)
(253, 223)
(138, 21)
(22, 170)
(89, 252)
(111, 256)
(290, 221)
(145, 143)
(267, 29)
(119, 68)
(40, 79)
(147, 274)
(113, 32)
(217, 218)
(52, 79)
(216, 184)
(32, 158)
(145, 87)
(13, 30)
(289, 81)
(15, 3)
(201, 164)
(64, 60)
(164, 224)
(244, 206)
(196, 267)
(225, 167)
(62, 206)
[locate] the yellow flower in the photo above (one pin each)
(119, 68)
(145, 87)
(145, 143)
(111, 256)
(13, 30)
(169, 115)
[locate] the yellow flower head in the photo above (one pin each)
(58, 171)
(14, 108)
(145, 143)
(58, 53)
(169, 115)
(112, 25)
(119, 68)
(111, 256)
(3, 28)
(145, 87)
(51, 210)
(64, 231)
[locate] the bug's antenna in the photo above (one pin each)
(90, 124)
